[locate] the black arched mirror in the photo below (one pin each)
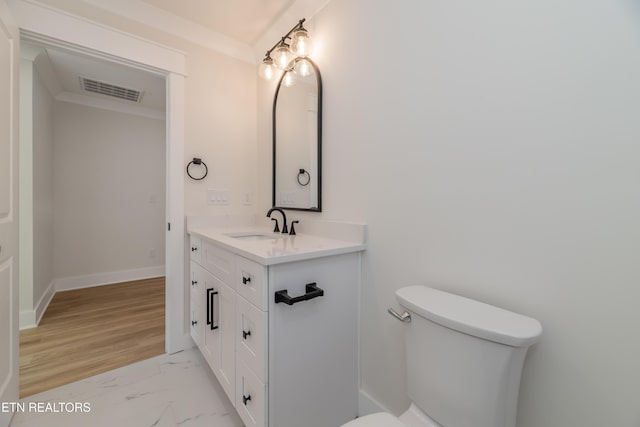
(297, 138)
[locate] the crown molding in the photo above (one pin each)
(168, 23)
(50, 26)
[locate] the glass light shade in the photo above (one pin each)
(301, 43)
(302, 68)
(266, 70)
(282, 56)
(288, 80)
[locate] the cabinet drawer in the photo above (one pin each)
(219, 262)
(195, 280)
(251, 337)
(251, 397)
(196, 323)
(195, 245)
(251, 282)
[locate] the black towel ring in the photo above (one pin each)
(303, 173)
(197, 161)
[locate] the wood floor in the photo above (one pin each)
(88, 331)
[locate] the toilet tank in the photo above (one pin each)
(464, 357)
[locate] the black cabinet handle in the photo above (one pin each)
(194, 282)
(311, 289)
(193, 249)
(246, 334)
(245, 280)
(210, 293)
(194, 322)
(245, 399)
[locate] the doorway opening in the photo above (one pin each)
(172, 242)
(92, 191)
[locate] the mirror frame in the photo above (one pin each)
(273, 124)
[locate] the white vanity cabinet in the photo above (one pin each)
(284, 342)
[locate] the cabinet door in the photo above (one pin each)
(211, 298)
(313, 344)
(219, 337)
(227, 367)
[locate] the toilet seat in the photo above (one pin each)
(381, 419)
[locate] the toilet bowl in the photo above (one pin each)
(464, 361)
(413, 417)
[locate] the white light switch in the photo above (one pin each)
(218, 197)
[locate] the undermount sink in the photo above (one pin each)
(255, 236)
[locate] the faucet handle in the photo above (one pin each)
(293, 229)
(277, 228)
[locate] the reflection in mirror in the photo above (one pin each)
(297, 124)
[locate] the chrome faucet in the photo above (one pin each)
(285, 229)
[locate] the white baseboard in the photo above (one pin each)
(368, 405)
(184, 343)
(31, 318)
(90, 280)
(44, 301)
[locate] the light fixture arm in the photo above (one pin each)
(282, 41)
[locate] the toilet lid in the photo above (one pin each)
(381, 419)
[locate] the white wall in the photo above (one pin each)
(220, 129)
(492, 149)
(42, 188)
(109, 180)
(36, 192)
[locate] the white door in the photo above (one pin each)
(9, 71)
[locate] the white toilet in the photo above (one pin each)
(464, 360)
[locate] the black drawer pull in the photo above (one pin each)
(210, 293)
(245, 399)
(311, 289)
(194, 282)
(245, 280)
(194, 322)
(194, 248)
(246, 334)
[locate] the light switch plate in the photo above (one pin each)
(218, 197)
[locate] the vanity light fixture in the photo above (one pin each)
(267, 69)
(282, 55)
(301, 42)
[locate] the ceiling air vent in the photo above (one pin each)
(108, 89)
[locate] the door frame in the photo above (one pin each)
(9, 213)
(64, 31)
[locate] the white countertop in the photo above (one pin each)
(280, 249)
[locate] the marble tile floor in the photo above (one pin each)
(168, 390)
